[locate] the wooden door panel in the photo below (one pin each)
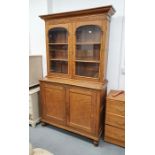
(89, 47)
(81, 110)
(54, 103)
(57, 52)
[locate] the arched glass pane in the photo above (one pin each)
(87, 69)
(88, 44)
(58, 50)
(58, 35)
(88, 33)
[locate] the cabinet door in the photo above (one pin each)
(57, 47)
(81, 109)
(88, 41)
(53, 105)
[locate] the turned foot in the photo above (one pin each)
(43, 124)
(95, 142)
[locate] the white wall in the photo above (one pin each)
(37, 29)
(115, 69)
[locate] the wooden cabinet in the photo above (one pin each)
(73, 92)
(73, 107)
(115, 119)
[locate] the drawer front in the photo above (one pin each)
(115, 120)
(114, 133)
(116, 107)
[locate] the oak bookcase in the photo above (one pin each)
(74, 91)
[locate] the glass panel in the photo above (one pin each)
(59, 66)
(58, 50)
(87, 69)
(89, 33)
(88, 52)
(87, 56)
(58, 35)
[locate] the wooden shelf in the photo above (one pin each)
(91, 61)
(58, 59)
(87, 43)
(63, 50)
(58, 43)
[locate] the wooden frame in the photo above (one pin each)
(76, 25)
(49, 27)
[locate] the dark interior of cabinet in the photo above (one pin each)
(58, 35)
(88, 52)
(89, 33)
(58, 51)
(87, 69)
(88, 44)
(59, 66)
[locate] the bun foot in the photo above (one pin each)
(95, 143)
(43, 124)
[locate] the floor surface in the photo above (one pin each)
(61, 142)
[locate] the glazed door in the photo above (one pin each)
(81, 109)
(58, 49)
(53, 103)
(87, 49)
